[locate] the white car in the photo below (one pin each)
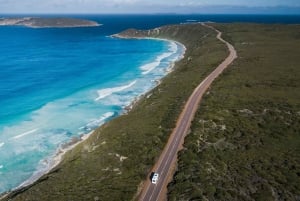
(155, 178)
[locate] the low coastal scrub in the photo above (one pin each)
(113, 161)
(245, 140)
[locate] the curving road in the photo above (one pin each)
(169, 155)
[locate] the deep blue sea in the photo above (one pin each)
(60, 83)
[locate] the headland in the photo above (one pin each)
(244, 141)
(103, 161)
(38, 22)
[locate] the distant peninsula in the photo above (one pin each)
(37, 22)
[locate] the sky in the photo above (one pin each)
(151, 6)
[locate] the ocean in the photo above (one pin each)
(61, 83)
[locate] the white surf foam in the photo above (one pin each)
(147, 68)
(173, 47)
(57, 121)
(106, 92)
(24, 134)
(98, 122)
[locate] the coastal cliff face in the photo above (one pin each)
(35, 22)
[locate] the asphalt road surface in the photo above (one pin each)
(169, 155)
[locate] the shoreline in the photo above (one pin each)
(54, 161)
(38, 22)
(166, 164)
(144, 130)
(58, 27)
(58, 157)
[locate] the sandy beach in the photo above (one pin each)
(133, 129)
(53, 161)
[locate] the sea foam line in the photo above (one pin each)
(1, 144)
(55, 159)
(52, 161)
(98, 122)
(24, 134)
(173, 47)
(108, 91)
(147, 68)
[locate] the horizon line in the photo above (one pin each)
(157, 13)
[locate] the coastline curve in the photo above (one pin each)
(55, 160)
(167, 160)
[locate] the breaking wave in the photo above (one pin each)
(147, 68)
(108, 91)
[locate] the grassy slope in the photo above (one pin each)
(93, 170)
(245, 139)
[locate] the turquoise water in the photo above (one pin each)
(56, 84)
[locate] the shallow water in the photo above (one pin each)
(59, 83)
(56, 84)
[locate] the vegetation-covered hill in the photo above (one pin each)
(245, 140)
(37, 22)
(111, 164)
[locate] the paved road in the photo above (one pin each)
(169, 155)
